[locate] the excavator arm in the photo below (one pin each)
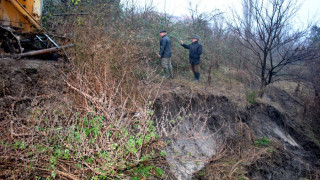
(21, 15)
(24, 12)
(24, 17)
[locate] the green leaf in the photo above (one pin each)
(53, 174)
(66, 154)
(22, 145)
(151, 112)
(263, 142)
(159, 172)
(163, 153)
(53, 160)
(139, 141)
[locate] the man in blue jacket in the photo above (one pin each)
(165, 54)
(195, 50)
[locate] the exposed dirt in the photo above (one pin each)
(25, 87)
(295, 156)
(25, 84)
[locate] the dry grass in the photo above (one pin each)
(222, 84)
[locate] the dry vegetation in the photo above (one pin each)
(102, 127)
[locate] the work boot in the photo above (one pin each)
(170, 76)
(170, 72)
(166, 73)
(197, 76)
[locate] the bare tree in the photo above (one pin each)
(266, 30)
(201, 22)
(247, 13)
(313, 66)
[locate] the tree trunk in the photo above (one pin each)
(315, 87)
(263, 74)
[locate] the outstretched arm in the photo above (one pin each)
(184, 45)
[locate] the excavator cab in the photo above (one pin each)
(21, 30)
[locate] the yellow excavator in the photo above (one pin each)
(21, 29)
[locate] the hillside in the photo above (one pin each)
(203, 133)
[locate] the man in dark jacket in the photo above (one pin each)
(195, 50)
(165, 54)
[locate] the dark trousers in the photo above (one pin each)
(195, 70)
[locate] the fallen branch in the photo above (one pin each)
(15, 134)
(70, 176)
(24, 98)
(86, 95)
(70, 14)
(234, 167)
(42, 51)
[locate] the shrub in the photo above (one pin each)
(263, 142)
(252, 97)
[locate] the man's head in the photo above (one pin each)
(195, 38)
(163, 33)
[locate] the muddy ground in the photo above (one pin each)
(26, 84)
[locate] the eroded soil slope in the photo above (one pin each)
(25, 84)
(213, 138)
(208, 135)
(27, 89)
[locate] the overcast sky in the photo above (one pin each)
(309, 11)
